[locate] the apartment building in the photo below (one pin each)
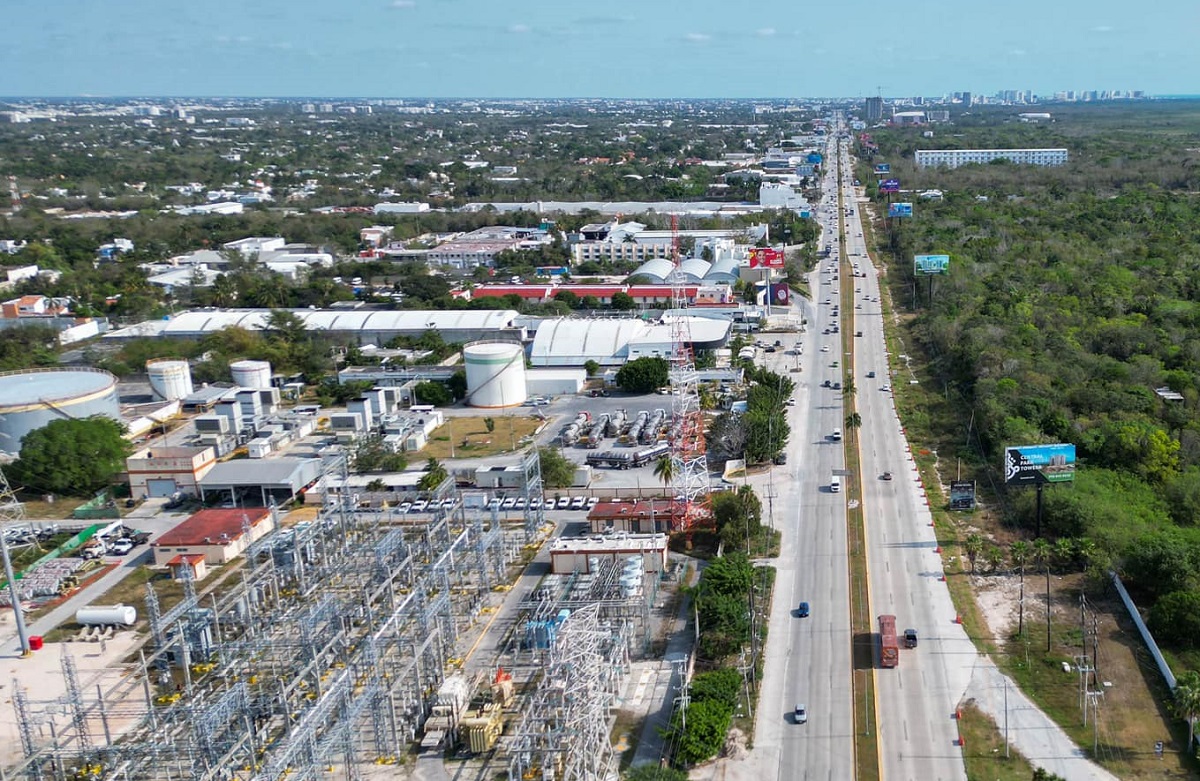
(953, 158)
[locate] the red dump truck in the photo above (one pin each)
(889, 648)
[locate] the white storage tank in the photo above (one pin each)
(251, 374)
(495, 374)
(170, 379)
(106, 615)
(32, 398)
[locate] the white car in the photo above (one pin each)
(419, 506)
(824, 348)
(508, 503)
(592, 502)
(404, 507)
(886, 388)
(563, 503)
(578, 503)
(791, 402)
(535, 503)
(520, 505)
(121, 546)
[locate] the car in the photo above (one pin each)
(404, 507)
(790, 402)
(824, 348)
(870, 375)
(837, 386)
(910, 638)
(780, 459)
(769, 350)
(140, 538)
(800, 714)
(121, 546)
(520, 505)
(508, 503)
(886, 388)
(578, 503)
(535, 503)
(802, 611)
(419, 506)
(592, 502)
(563, 503)
(448, 504)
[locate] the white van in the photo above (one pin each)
(835, 484)
(837, 435)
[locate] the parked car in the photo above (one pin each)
(592, 502)
(563, 503)
(535, 503)
(404, 507)
(520, 505)
(121, 546)
(508, 503)
(578, 503)
(419, 506)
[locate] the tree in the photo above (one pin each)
(435, 475)
(719, 685)
(1019, 552)
(707, 724)
(1175, 618)
(726, 437)
(643, 375)
(434, 393)
(287, 327)
(1043, 554)
(490, 424)
(853, 421)
(664, 470)
(73, 457)
(370, 455)
(1187, 701)
(653, 772)
(557, 470)
(457, 385)
(994, 556)
(623, 302)
(973, 546)
(1041, 774)
(591, 367)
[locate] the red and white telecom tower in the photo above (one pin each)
(689, 463)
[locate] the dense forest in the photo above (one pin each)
(1073, 294)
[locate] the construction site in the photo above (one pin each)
(344, 646)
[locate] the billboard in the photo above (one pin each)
(931, 264)
(962, 494)
(899, 209)
(1034, 464)
(883, 168)
(780, 294)
(815, 157)
(766, 257)
(889, 186)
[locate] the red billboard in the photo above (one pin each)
(780, 295)
(765, 257)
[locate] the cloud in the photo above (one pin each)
(697, 37)
(1102, 28)
(518, 29)
(404, 4)
(765, 32)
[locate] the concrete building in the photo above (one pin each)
(581, 554)
(574, 342)
(873, 110)
(218, 535)
(162, 471)
(258, 483)
(953, 158)
(255, 245)
(401, 208)
(643, 516)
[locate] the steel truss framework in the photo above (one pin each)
(327, 650)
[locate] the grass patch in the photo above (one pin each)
(468, 437)
(61, 507)
(984, 752)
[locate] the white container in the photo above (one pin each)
(251, 374)
(170, 379)
(105, 615)
(495, 374)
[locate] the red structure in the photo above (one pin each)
(889, 648)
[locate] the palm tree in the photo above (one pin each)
(664, 470)
(1043, 554)
(1064, 551)
(1187, 701)
(1019, 552)
(994, 556)
(853, 421)
(973, 546)
(848, 389)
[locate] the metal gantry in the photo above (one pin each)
(324, 649)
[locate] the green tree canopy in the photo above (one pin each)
(557, 470)
(622, 301)
(435, 393)
(643, 375)
(74, 457)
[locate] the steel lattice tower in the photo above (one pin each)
(689, 462)
(12, 511)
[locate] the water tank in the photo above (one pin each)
(251, 374)
(32, 398)
(495, 374)
(104, 615)
(170, 379)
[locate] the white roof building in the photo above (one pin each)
(611, 342)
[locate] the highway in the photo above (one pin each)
(808, 660)
(917, 699)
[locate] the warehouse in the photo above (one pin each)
(365, 326)
(574, 342)
(258, 482)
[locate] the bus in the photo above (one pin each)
(889, 649)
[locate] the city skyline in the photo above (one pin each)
(472, 48)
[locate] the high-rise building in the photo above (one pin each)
(966, 98)
(874, 109)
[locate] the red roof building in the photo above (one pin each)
(217, 534)
(641, 516)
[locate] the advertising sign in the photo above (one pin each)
(889, 186)
(1033, 464)
(780, 294)
(962, 494)
(766, 257)
(899, 209)
(814, 157)
(883, 168)
(931, 264)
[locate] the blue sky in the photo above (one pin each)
(616, 48)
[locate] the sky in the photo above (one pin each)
(615, 48)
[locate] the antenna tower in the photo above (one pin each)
(689, 464)
(11, 512)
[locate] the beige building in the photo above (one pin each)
(217, 535)
(569, 555)
(161, 471)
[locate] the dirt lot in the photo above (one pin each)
(1131, 719)
(470, 438)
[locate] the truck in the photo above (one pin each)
(889, 648)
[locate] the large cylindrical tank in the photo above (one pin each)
(32, 398)
(103, 615)
(251, 374)
(495, 374)
(170, 379)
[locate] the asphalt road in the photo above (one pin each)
(917, 699)
(808, 660)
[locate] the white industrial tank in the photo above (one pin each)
(32, 398)
(104, 615)
(170, 379)
(251, 374)
(495, 374)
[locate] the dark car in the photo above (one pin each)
(910, 638)
(802, 611)
(886, 476)
(780, 459)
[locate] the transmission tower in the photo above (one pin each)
(12, 511)
(689, 464)
(14, 194)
